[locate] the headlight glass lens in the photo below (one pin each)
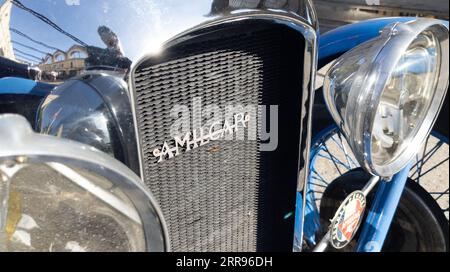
(46, 211)
(406, 99)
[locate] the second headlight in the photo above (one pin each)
(386, 93)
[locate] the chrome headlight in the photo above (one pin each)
(386, 94)
(60, 195)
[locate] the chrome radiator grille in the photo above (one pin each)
(225, 195)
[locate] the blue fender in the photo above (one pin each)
(15, 85)
(22, 96)
(344, 38)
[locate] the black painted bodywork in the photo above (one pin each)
(93, 109)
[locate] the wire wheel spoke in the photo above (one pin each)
(431, 169)
(425, 158)
(439, 194)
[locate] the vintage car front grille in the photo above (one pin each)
(226, 195)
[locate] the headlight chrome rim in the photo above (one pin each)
(363, 95)
(21, 147)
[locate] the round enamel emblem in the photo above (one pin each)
(347, 219)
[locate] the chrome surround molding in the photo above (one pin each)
(354, 105)
(309, 32)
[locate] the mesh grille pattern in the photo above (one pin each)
(210, 196)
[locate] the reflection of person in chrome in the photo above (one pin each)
(111, 58)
